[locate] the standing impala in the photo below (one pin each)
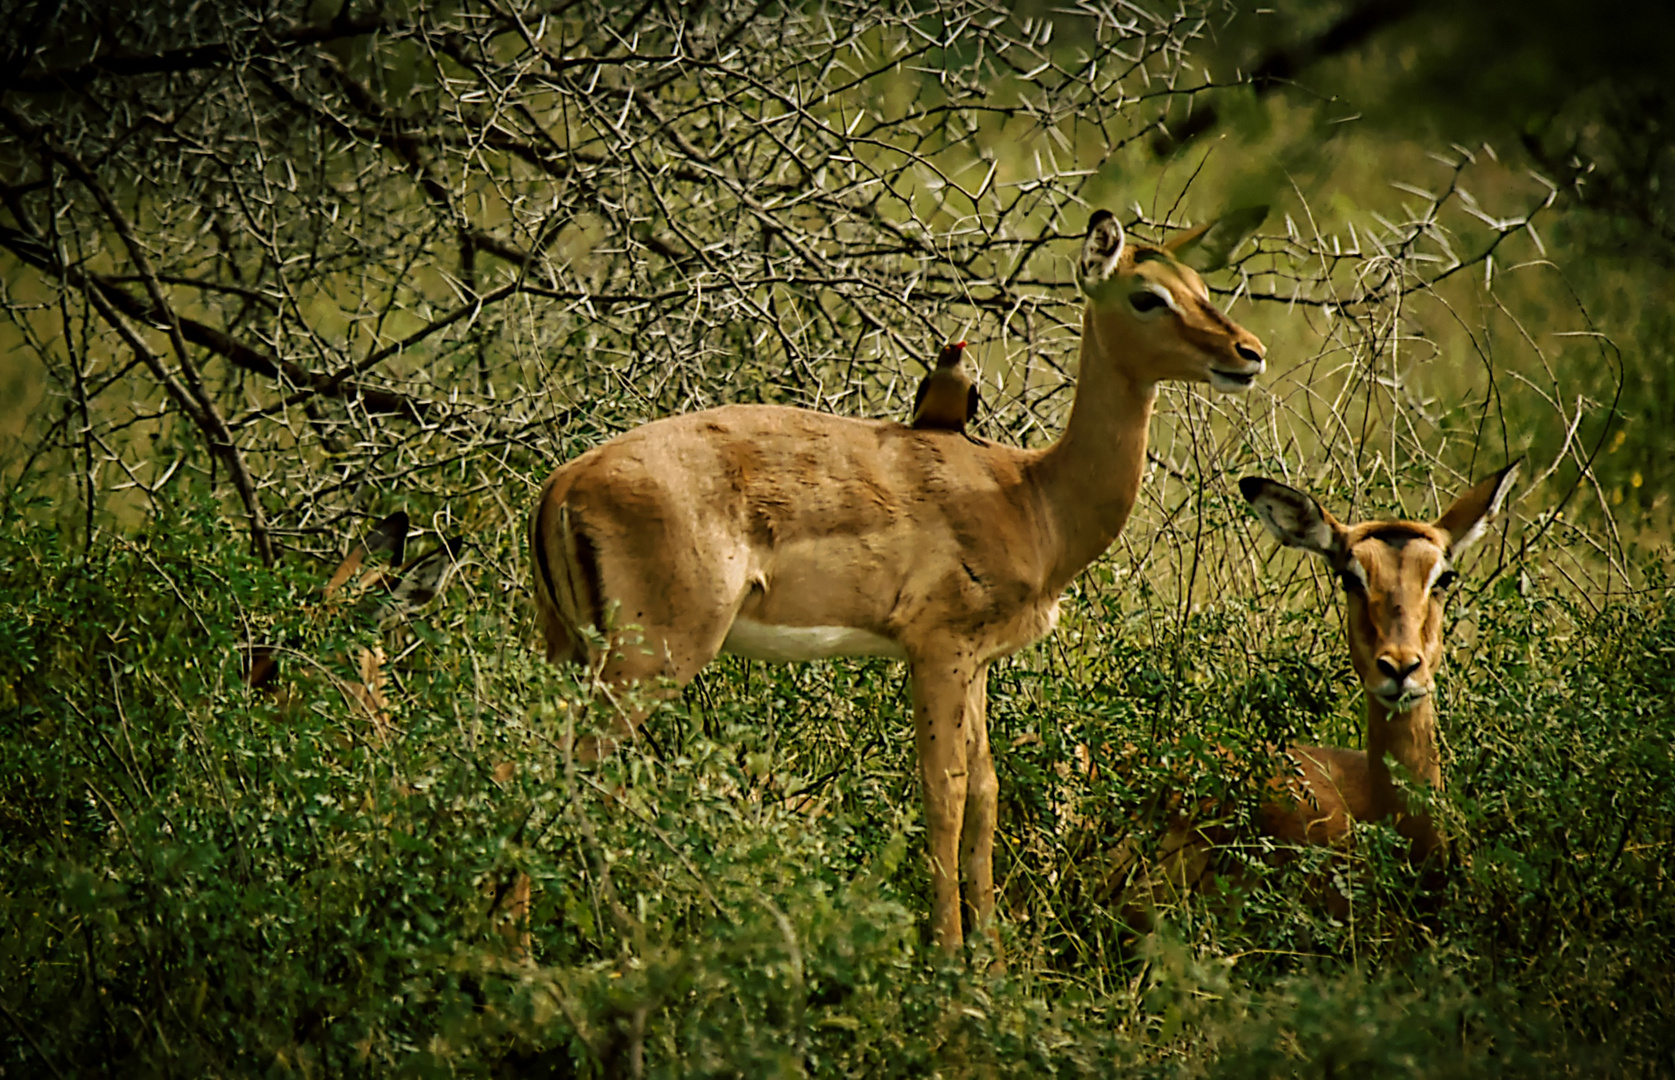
(783, 534)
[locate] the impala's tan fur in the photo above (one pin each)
(1393, 622)
(790, 534)
(1394, 628)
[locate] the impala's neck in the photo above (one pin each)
(1409, 739)
(1091, 476)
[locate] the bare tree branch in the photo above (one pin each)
(123, 64)
(394, 250)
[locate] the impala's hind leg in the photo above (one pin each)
(647, 663)
(634, 674)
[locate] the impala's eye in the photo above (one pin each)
(1445, 581)
(1146, 300)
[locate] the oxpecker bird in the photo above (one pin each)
(947, 398)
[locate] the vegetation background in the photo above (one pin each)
(273, 270)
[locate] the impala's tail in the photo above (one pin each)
(566, 576)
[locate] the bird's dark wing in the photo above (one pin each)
(973, 400)
(919, 396)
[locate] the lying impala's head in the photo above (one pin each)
(1152, 314)
(1394, 573)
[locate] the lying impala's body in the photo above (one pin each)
(789, 535)
(1395, 576)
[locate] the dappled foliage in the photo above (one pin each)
(202, 879)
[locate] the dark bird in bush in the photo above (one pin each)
(947, 399)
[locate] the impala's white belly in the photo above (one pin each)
(767, 641)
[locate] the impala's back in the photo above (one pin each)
(791, 535)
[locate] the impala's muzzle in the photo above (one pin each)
(1238, 376)
(1399, 690)
(1233, 382)
(1401, 698)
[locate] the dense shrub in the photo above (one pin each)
(199, 879)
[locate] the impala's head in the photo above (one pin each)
(1395, 575)
(1153, 315)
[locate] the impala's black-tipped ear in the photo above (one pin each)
(421, 580)
(390, 535)
(1102, 250)
(1467, 520)
(1294, 517)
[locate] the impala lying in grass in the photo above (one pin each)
(1395, 576)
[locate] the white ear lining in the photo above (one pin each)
(1293, 524)
(1436, 571)
(1294, 518)
(1097, 264)
(1472, 535)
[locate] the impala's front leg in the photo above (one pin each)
(977, 836)
(941, 703)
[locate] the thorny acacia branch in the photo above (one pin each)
(416, 256)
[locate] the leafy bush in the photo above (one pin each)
(202, 879)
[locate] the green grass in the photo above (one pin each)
(199, 881)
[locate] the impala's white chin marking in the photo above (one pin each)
(1403, 700)
(1233, 382)
(786, 644)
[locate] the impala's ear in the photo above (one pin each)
(421, 579)
(1211, 245)
(1294, 518)
(390, 535)
(1469, 517)
(1101, 251)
